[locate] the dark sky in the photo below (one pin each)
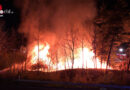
(11, 20)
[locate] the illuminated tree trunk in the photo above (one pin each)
(38, 50)
(66, 59)
(94, 49)
(22, 67)
(26, 54)
(128, 56)
(71, 41)
(25, 62)
(83, 55)
(109, 54)
(72, 54)
(102, 54)
(57, 60)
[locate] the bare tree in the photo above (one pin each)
(94, 46)
(71, 40)
(65, 54)
(82, 42)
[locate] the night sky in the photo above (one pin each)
(12, 22)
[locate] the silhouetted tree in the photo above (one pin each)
(110, 26)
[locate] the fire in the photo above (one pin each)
(84, 58)
(43, 54)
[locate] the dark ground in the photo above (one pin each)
(50, 85)
(66, 80)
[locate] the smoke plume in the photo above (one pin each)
(52, 18)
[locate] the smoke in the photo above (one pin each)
(52, 18)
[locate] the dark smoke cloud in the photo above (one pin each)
(52, 18)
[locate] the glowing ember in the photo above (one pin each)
(83, 59)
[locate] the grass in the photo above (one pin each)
(91, 76)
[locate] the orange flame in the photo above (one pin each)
(83, 59)
(43, 54)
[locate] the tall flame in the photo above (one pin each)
(43, 54)
(84, 58)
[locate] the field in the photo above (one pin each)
(90, 76)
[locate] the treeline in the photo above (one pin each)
(11, 53)
(111, 29)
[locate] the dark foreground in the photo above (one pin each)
(49, 85)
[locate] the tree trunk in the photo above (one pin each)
(66, 60)
(72, 58)
(26, 60)
(38, 50)
(128, 65)
(83, 55)
(73, 53)
(94, 47)
(25, 65)
(109, 54)
(57, 60)
(101, 54)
